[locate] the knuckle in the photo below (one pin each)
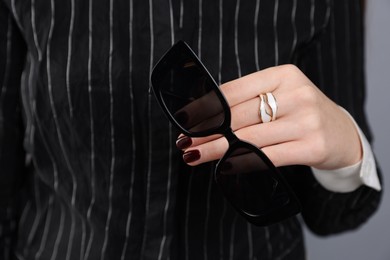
(227, 90)
(307, 95)
(318, 150)
(313, 123)
(290, 71)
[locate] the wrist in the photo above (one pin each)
(351, 177)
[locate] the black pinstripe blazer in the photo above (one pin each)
(88, 167)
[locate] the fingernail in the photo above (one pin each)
(183, 142)
(191, 156)
(182, 118)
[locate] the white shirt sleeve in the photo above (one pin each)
(350, 178)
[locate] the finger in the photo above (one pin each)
(249, 86)
(244, 114)
(206, 152)
(260, 135)
(267, 80)
(289, 153)
(247, 114)
(194, 112)
(194, 115)
(201, 114)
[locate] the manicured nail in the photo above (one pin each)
(191, 156)
(182, 118)
(183, 142)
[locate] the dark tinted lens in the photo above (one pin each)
(249, 184)
(187, 92)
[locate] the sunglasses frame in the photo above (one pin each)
(169, 58)
(270, 216)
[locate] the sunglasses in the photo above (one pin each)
(194, 104)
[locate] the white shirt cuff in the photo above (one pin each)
(350, 178)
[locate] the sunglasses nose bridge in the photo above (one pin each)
(230, 136)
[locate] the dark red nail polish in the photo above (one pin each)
(191, 156)
(183, 142)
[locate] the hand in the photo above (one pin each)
(310, 129)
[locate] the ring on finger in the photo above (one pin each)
(268, 107)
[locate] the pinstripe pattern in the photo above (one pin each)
(112, 140)
(104, 180)
(232, 238)
(8, 48)
(38, 214)
(294, 26)
(347, 36)
(220, 48)
(59, 235)
(275, 25)
(132, 171)
(69, 59)
(85, 254)
(181, 13)
(35, 30)
(4, 82)
(150, 124)
(169, 168)
(255, 33)
(45, 230)
(312, 13)
(60, 138)
(200, 21)
(237, 12)
(56, 178)
(16, 16)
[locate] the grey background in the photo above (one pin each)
(372, 241)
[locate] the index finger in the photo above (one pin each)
(235, 91)
(263, 81)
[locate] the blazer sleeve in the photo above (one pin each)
(12, 58)
(334, 61)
